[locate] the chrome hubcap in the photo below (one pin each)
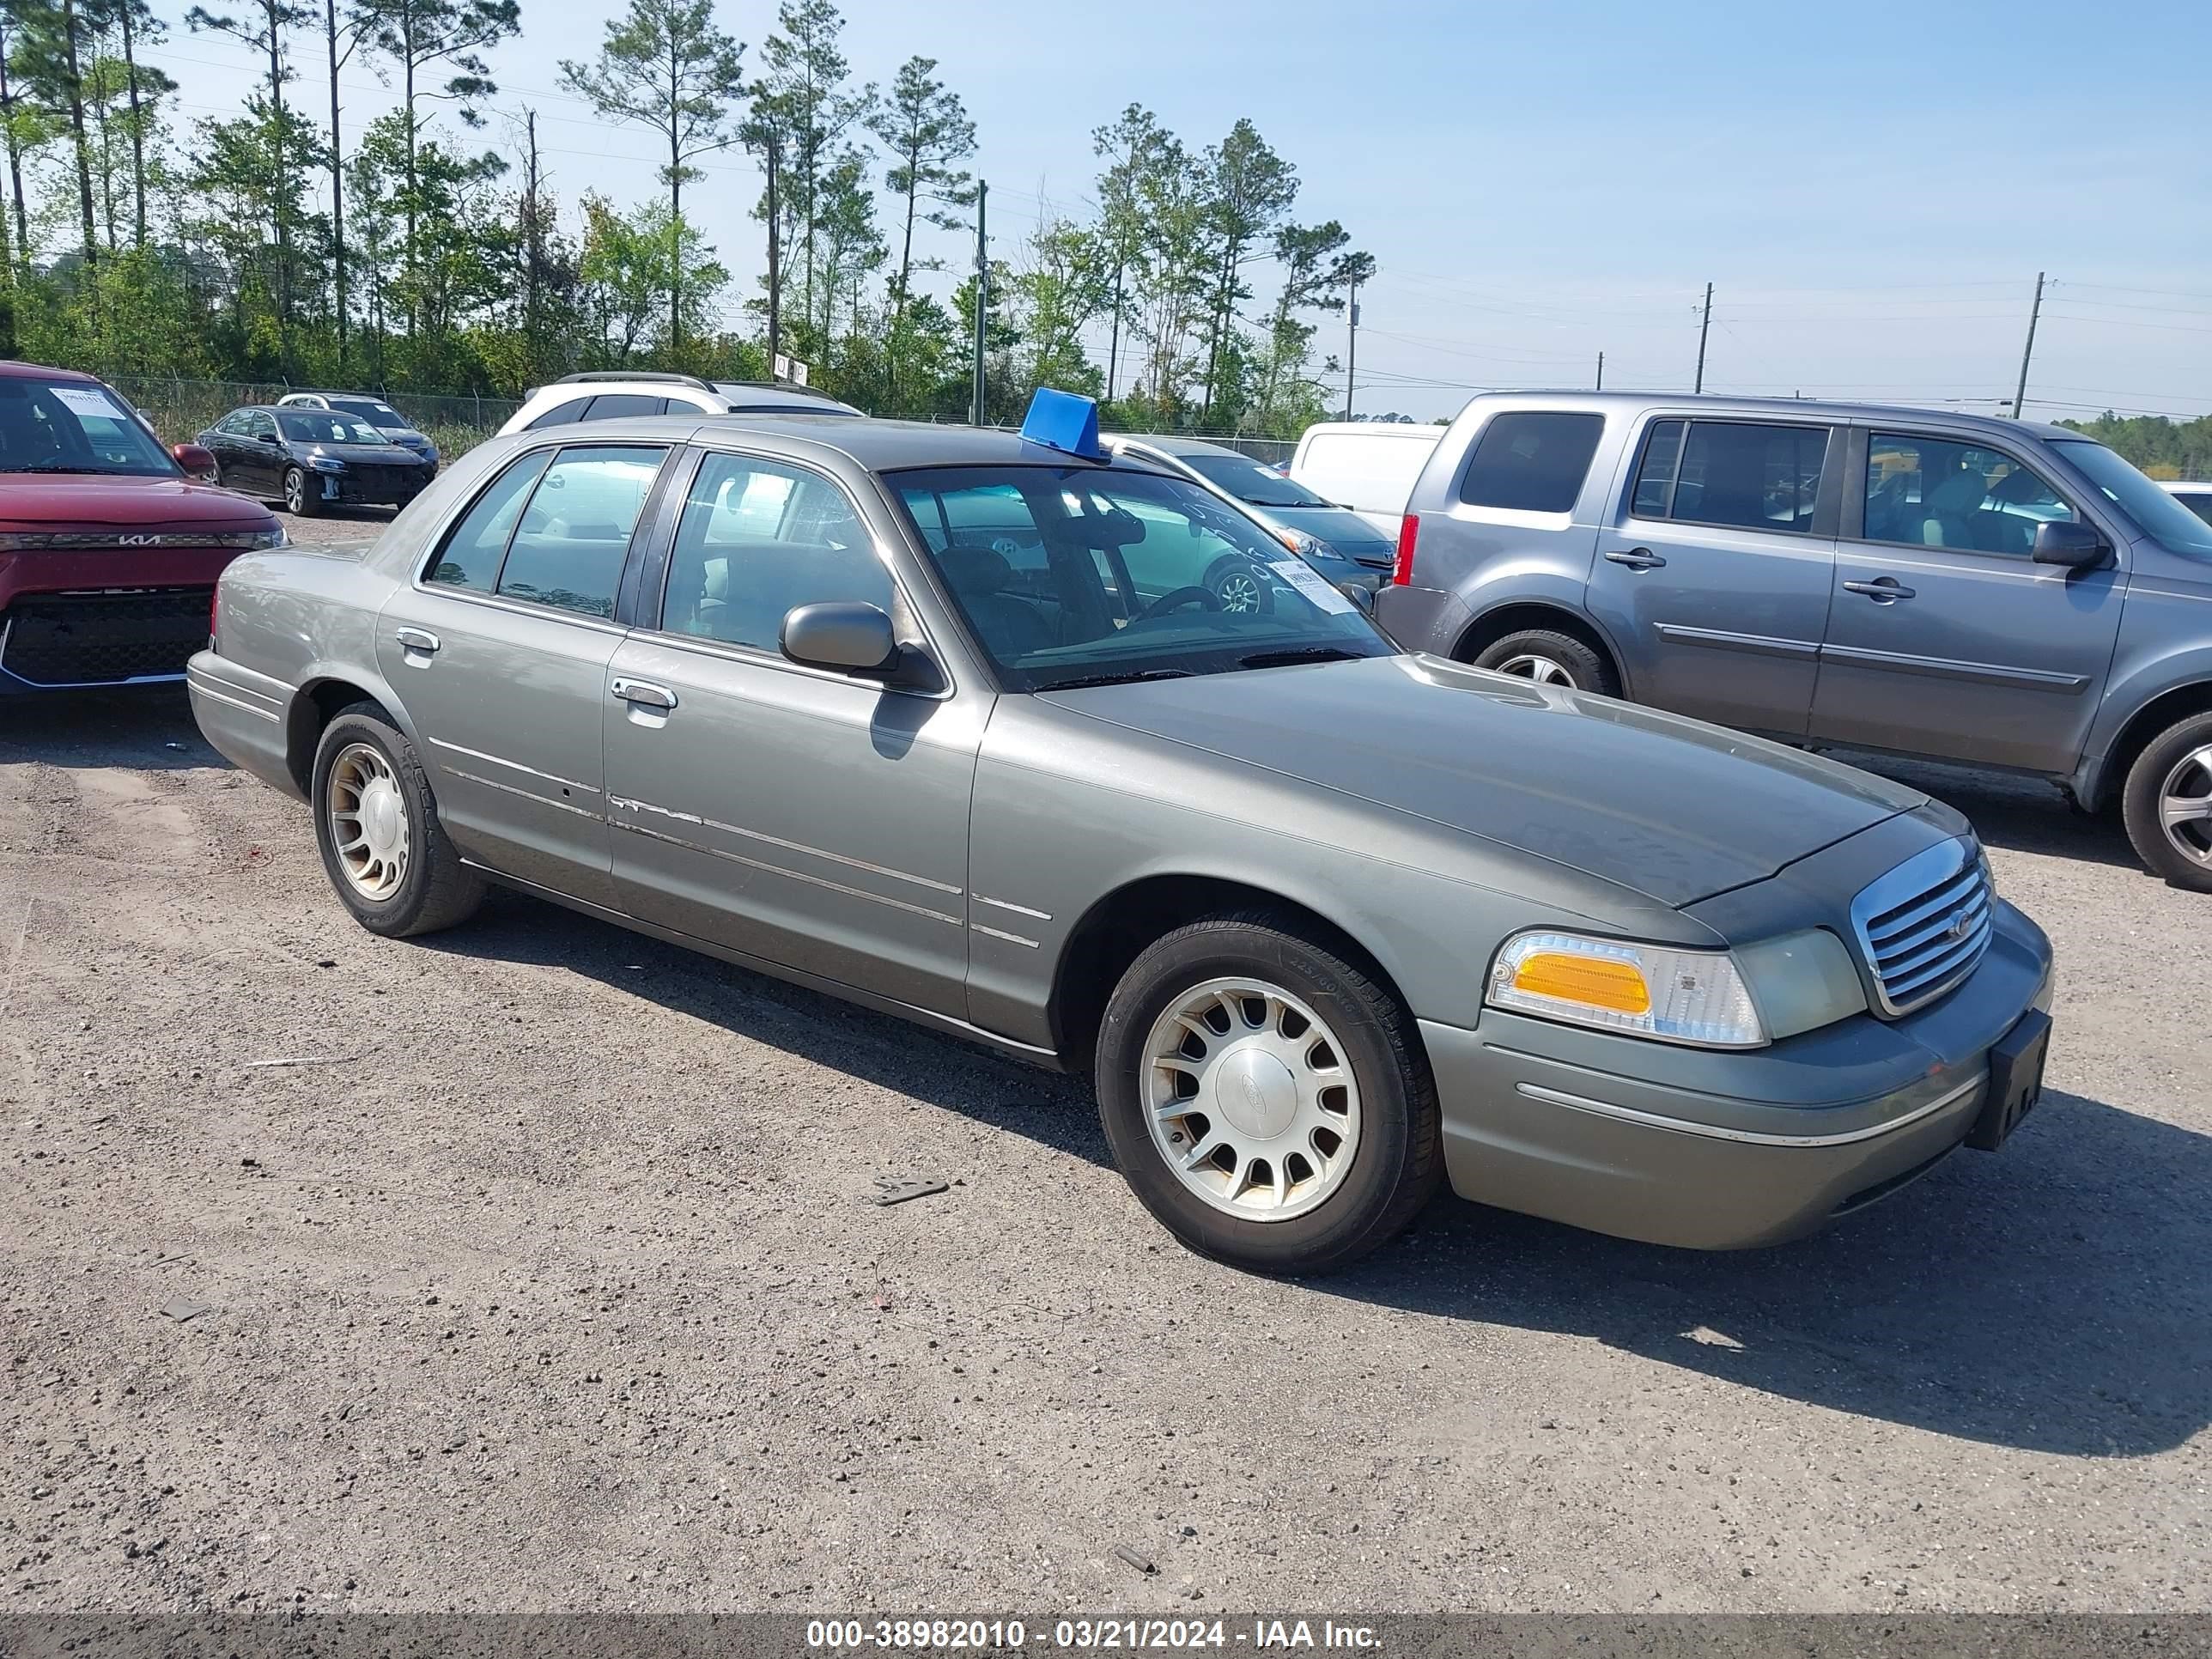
(1545, 671)
(2185, 806)
(1250, 1099)
(1239, 591)
(368, 822)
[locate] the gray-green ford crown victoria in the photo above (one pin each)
(956, 725)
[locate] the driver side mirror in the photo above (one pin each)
(2075, 546)
(266, 438)
(196, 462)
(847, 638)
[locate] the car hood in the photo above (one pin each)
(1341, 527)
(63, 501)
(1670, 808)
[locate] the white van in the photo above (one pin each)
(1369, 466)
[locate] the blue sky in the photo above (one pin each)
(1872, 188)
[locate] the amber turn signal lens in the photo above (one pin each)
(1594, 980)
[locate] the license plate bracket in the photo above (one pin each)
(2015, 1080)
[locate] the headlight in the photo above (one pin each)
(1298, 542)
(272, 538)
(325, 464)
(1642, 990)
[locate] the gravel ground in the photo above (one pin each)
(536, 1271)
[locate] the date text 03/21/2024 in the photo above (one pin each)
(1130, 1634)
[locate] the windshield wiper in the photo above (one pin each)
(1307, 653)
(50, 466)
(1118, 679)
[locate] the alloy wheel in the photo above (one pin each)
(1250, 1099)
(2185, 806)
(295, 490)
(368, 812)
(1239, 592)
(1545, 671)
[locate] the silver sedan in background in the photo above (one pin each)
(955, 725)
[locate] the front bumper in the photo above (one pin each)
(374, 486)
(79, 641)
(1715, 1151)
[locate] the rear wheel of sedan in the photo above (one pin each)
(377, 824)
(1550, 657)
(1268, 1099)
(300, 496)
(2166, 803)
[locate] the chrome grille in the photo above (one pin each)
(1923, 927)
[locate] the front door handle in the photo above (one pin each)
(416, 639)
(1882, 590)
(644, 693)
(1636, 558)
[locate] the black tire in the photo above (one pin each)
(1586, 669)
(1398, 1161)
(2140, 800)
(1240, 584)
(438, 890)
(299, 498)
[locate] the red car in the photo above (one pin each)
(109, 545)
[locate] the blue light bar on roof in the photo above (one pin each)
(1065, 421)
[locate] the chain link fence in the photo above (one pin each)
(180, 410)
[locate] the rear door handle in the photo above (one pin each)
(644, 693)
(1882, 590)
(1636, 558)
(416, 639)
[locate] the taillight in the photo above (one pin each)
(1409, 530)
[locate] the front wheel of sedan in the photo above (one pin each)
(1267, 1100)
(2166, 803)
(300, 495)
(377, 824)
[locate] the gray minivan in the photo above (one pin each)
(1965, 588)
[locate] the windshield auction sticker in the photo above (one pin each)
(86, 400)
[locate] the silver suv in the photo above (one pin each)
(1965, 588)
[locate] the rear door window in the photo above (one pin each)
(475, 546)
(1532, 460)
(614, 405)
(1741, 474)
(569, 549)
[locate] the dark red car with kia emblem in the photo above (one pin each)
(110, 545)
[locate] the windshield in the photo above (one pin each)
(1082, 576)
(2162, 518)
(383, 416)
(1249, 481)
(314, 426)
(58, 427)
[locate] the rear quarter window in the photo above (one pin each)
(1532, 460)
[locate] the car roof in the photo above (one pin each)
(12, 370)
(873, 445)
(1169, 444)
(1802, 408)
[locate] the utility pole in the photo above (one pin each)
(982, 297)
(1600, 371)
(1351, 347)
(2020, 393)
(1703, 328)
(774, 147)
